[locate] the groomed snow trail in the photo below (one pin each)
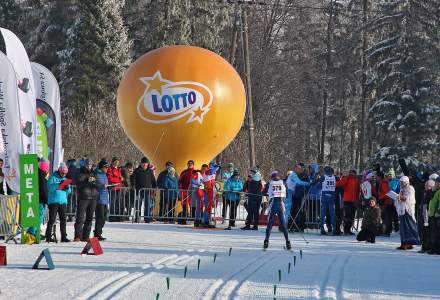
(139, 257)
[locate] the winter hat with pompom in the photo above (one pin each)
(44, 165)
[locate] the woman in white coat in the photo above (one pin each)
(406, 207)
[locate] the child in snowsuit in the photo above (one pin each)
(328, 198)
(370, 223)
(276, 191)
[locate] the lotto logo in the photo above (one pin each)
(165, 101)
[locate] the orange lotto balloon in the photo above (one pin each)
(179, 103)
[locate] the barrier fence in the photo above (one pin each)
(171, 205)
(9, 217)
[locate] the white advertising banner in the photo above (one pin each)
(10, 125)
(16, 53)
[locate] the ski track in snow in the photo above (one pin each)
(223, 288)
(138, 258)
(111, 286)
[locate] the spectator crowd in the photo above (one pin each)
(409, 204)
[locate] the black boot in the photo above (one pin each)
(288, 245)
(265, 244)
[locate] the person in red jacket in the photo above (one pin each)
(386, 204)
(351, 186)
(114, 176)
(184, 188)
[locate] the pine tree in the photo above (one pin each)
(156, 23)
(405, 111)
(96, 54)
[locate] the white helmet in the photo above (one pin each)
(433, 176)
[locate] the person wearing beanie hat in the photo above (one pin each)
(226, 174)
(276, 191)
(405, 206)
(145, 182)
(58, 191)
(233, 186)
(208, 175)
(254, 187)
(161, 185)
(328, 198)
(103, 199)
(169, 194)
(86, 205)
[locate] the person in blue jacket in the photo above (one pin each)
(103, 199)
(294, 198)
(57, 202)
(171, 192)
(233, 187)
(328, 198)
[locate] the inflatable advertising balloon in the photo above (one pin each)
(179, 103)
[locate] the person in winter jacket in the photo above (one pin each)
(128, 193)
(294, 196)
(145, 183)
(394, 184)
(225, 176)
(57, 202)
(161, 185)
(328, 183)
(87, 195)
(73, 170)
(386, 204)
(425, 232)
(233, 186)
(406, 210)
(185, 191)
(197, 197)
(434, 220)
(171, 192)
(351, 186)
(276, 191)
(114, 176)
(254, 187)
(370, 223)
(103, 198)
(208, 175)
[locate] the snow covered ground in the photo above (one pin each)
(138, 258)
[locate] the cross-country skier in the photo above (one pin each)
(328, 197)
(276, 191)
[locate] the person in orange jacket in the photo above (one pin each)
(351, 185)
(386, 204)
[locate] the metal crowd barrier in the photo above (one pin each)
(9, 216)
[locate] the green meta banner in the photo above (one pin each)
(29, 198)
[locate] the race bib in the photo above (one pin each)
(329, 184)
(278, 189)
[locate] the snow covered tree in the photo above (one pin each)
(405, 113)
(55, 18)
(96, 53)
(155, 23)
